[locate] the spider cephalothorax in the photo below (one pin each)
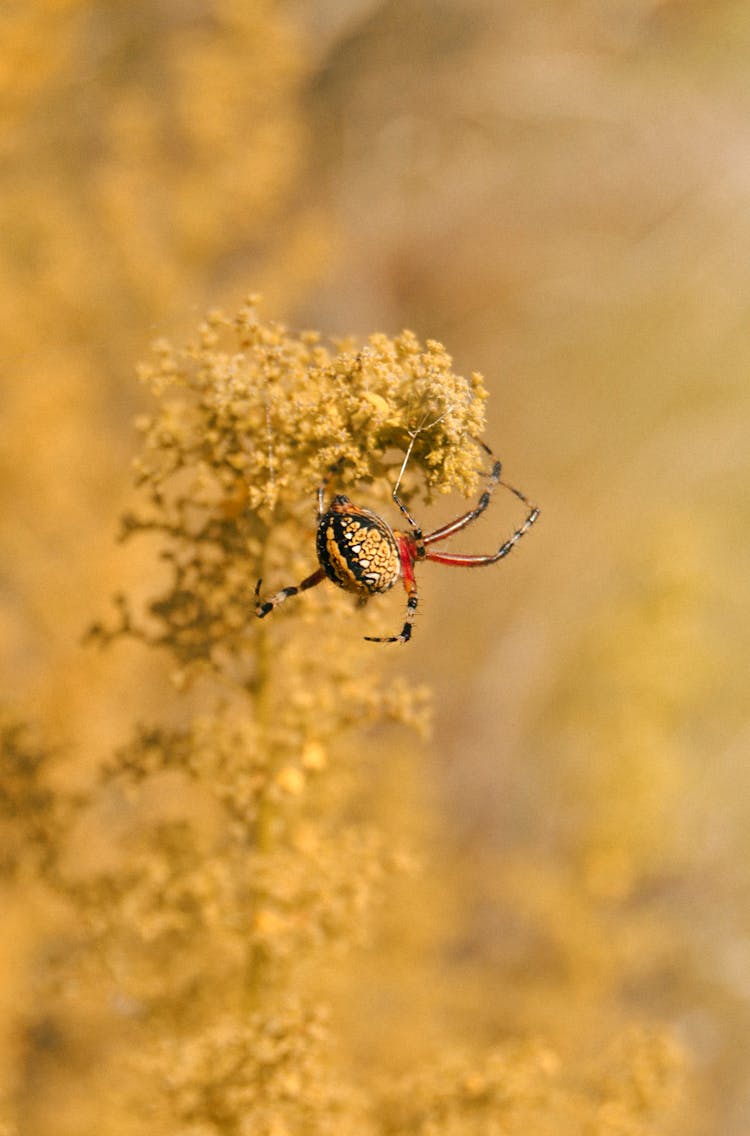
(361, 553)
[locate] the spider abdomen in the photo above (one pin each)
(357, 549)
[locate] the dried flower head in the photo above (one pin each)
(250, 417)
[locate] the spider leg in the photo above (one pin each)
(332, 470)
(417, 532)
(461, 560)
(466, 518)
(263, 608)
(410, 584)
(397, 486)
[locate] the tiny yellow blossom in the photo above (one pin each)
(291, 780)
(314, 757)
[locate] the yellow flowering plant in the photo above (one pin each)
(243, 863)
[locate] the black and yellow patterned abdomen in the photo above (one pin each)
(357, 549)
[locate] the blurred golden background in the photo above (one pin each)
(561, 195)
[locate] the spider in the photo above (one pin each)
(361, 553)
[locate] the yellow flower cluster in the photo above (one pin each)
(250, 419)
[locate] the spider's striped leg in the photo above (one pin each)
(266, 606)
(404, 509)
(466, 518)
(410, 584)
(461, 560)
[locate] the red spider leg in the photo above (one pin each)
(466, 518)
(471, 515)
(408, 551)
(462, 560)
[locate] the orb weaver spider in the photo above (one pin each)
(361, 553)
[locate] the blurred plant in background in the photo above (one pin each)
(243, 863)
(148, 153)
(189, 877)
